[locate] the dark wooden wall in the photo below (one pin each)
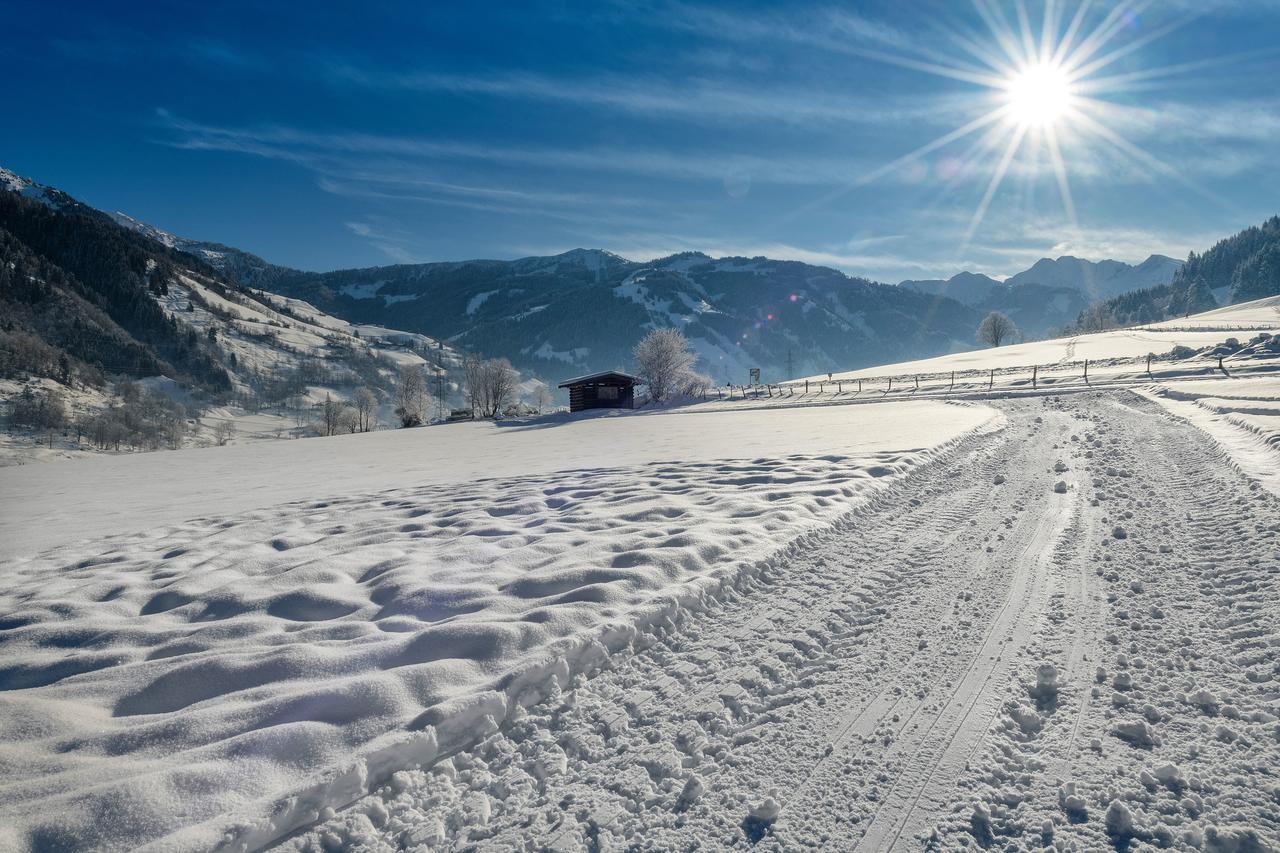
(586, 396)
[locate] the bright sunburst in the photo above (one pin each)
(1049, 83)
(1039, 95)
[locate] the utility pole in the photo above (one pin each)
(440, 379)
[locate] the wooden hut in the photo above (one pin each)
(608, 390)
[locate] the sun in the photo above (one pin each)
(1044, 110)
(1039, 95)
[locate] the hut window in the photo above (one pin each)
(607, 392)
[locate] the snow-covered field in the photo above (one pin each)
(304, 618)
(1118, 354)
(1025, 618)
(1060, 637)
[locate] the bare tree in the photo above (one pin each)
(366, 407)
(542, 398)
(490, 385)
(663, 360)
(411, 397)
(331, 418)
(1096, 318)
(995, 329)
(223, 432)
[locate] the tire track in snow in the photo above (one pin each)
(957, 725)
(814, 681)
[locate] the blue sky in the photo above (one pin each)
(325, 136)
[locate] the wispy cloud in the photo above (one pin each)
(394, 243)
(686, 98)
(335, 150)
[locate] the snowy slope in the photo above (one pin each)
(343, 608)
(1113, 351)
(237, 265)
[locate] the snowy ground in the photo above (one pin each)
(1241, 413)
(978, 658)
(246, 636)
(1115, 356)
(837, 620)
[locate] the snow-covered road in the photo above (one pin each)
(980, 655)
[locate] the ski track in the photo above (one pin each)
(879, 692)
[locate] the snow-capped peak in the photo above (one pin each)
(14, 182)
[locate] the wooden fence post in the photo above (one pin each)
(859, 386)
(1086, 371)
(917, 381)
(991, 382)
(1034, 370)
(806, 386)
(953, 381)
(890, 384)
(1149, 376)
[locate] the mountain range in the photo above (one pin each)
(578, 311)
(1050, 295)
(583, 310)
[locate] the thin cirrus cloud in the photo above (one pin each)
(687, 99)
(331, 151)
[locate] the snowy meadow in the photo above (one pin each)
(249, 649)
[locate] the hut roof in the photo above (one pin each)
(597, 377)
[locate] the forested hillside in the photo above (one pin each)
(1240, 268)
(79, 294)
(117, 337)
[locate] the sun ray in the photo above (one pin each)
(945, 139)
(1024, 28)
(1106, 31)
(1051, 114)
(996, 179)
(1048, 28)
(1121, 82)
(1060, 171)
(997, 63)
(1001, 31)
(1068, 38)
(1147, 159)
(1136, 44)
(964, 75)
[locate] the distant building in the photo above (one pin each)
(608, 390)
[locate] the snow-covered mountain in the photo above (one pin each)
(235, 264)
(88, 301)
(585, 309)
(1101, 279)
(1051, 294)
(971, 288)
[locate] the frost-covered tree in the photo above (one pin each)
(542, 397)
(996, 329)
(490, 385)
(224, 432)
(1096, 318)
(663, 362)
(331, 416)
(366, 409)
(411, 397)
